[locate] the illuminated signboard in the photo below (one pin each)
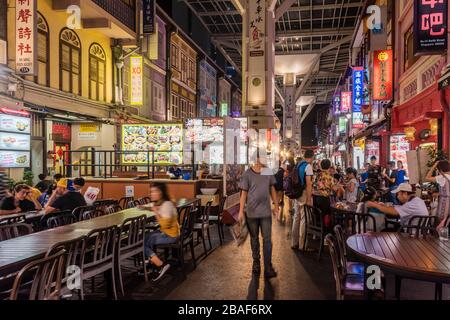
(15, 140)
(346, 102)
(342, 125)
(136, 81)
(26, 49)
(337, 104)
(430, 27)
(358, 97)
(382, 75)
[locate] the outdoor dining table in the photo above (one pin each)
(29, 216)
(16, 253)
(426, 259)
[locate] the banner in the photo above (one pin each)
(430, 27)
(136, 81)
(26, 37)
(358, 97)
(346, 101)
(337, 104)
(382, 75)
(148, 10)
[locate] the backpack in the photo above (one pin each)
(295, 182)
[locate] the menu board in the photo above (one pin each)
(14, 141)
(372, 150)
(14, 159)
(15, 124)
(399, 149)
(207, 134)
(165, 140)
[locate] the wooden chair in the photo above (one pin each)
(218, 219)
(104, 204)
(11, 231)
(314, 226)
(420, 226)
(47, 276)
(73, 258)
(350, 267)
(98, 256)
(13, 220)
(358, 223)
(124, 202)
(88, 215)
(131, 244)
(186, 236)
(347, 285)
(113, 209)
(78, 212)
(201, 227)
(62, 219)
(144, 201)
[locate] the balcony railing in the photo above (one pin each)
(121, 11)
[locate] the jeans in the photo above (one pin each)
(155, 238)
(265, 225)
(298, 222)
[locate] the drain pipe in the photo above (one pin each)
(446, 122)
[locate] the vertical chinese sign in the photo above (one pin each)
(358, 97)
(136, 75)
(26, 49)
(337, 104)
(383, 75)
(346, 101)
(430, 26)
(342, 125)
(257, 53)
(148, 11)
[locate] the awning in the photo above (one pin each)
(370, 129)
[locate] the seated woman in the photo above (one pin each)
(167, 216)
(371, 195)
(20, 201)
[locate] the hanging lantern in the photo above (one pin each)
(410, 133)
(434, 127)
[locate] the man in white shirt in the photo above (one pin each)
(411, 205)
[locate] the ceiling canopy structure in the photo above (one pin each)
(304, 28)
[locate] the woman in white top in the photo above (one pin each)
(351, 187)
(443, 180)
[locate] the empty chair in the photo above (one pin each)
(47, 274)
(357, 223)
(100, 256)
(13, 220)
(63, 219)
(144, 201)
(201, 227)
(213, 219)
(421, 226)
(347, 285)
(92, 214)
(44, 224)
(103, 204)
(348, 267)
(78, 212)
(134, 204)
(186, 236)
(113, 209)
(74, 252)
(126, 202)
(11, 231)
(131, 244)
(314, 226)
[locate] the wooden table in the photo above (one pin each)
(29, 216)
(16, 253)
(426, 259)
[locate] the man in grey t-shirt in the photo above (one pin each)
(257, 189)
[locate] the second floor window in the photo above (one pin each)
(97, 73)
(70, 62)
(43, 77)
(409, 58)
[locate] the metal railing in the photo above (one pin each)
(120, 10)
(106, 164)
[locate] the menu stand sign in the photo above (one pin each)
(15, 140)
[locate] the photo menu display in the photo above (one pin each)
(15, 141)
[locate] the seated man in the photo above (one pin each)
(20, 201)
(65, 198)
(410, 205)
(78, 184)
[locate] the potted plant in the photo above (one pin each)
(28, 177)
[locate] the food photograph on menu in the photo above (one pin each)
(164, 140)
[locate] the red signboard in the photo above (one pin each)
(382, 75)
(346, 101)
(62, 130)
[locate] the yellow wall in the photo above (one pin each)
(57, 21)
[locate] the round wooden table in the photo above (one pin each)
(426, 259)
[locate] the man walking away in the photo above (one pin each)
(305, 171)
(257, 188)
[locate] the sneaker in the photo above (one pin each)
(271, 273)
(256, 270)
(162, 271)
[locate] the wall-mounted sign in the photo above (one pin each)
(148, 10)
(87, 136)
(136, 81)
(88, 127)
(13, 141)
(430, 27)
(382, 75)
(26, 39)
(337, 104)
(342, 125)
(14, 159)
(224, 109)
(346, 101)
(358, 89)
(14, 124)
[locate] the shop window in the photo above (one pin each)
(192, 71)
(70, 62)
(97, 73)
(43, 77)
(157, 102)
(409, 58)
(184, 68)
(175, 57)
(175, 107)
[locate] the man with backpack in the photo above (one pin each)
(298, 186)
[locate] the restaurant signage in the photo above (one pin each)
(342, 125)
(337, 104)
(382, 75)
(430, 27)
(358, 97)
(15, 141)
(346, 101)
(136, 81)
(149, 9)
(26, 48)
